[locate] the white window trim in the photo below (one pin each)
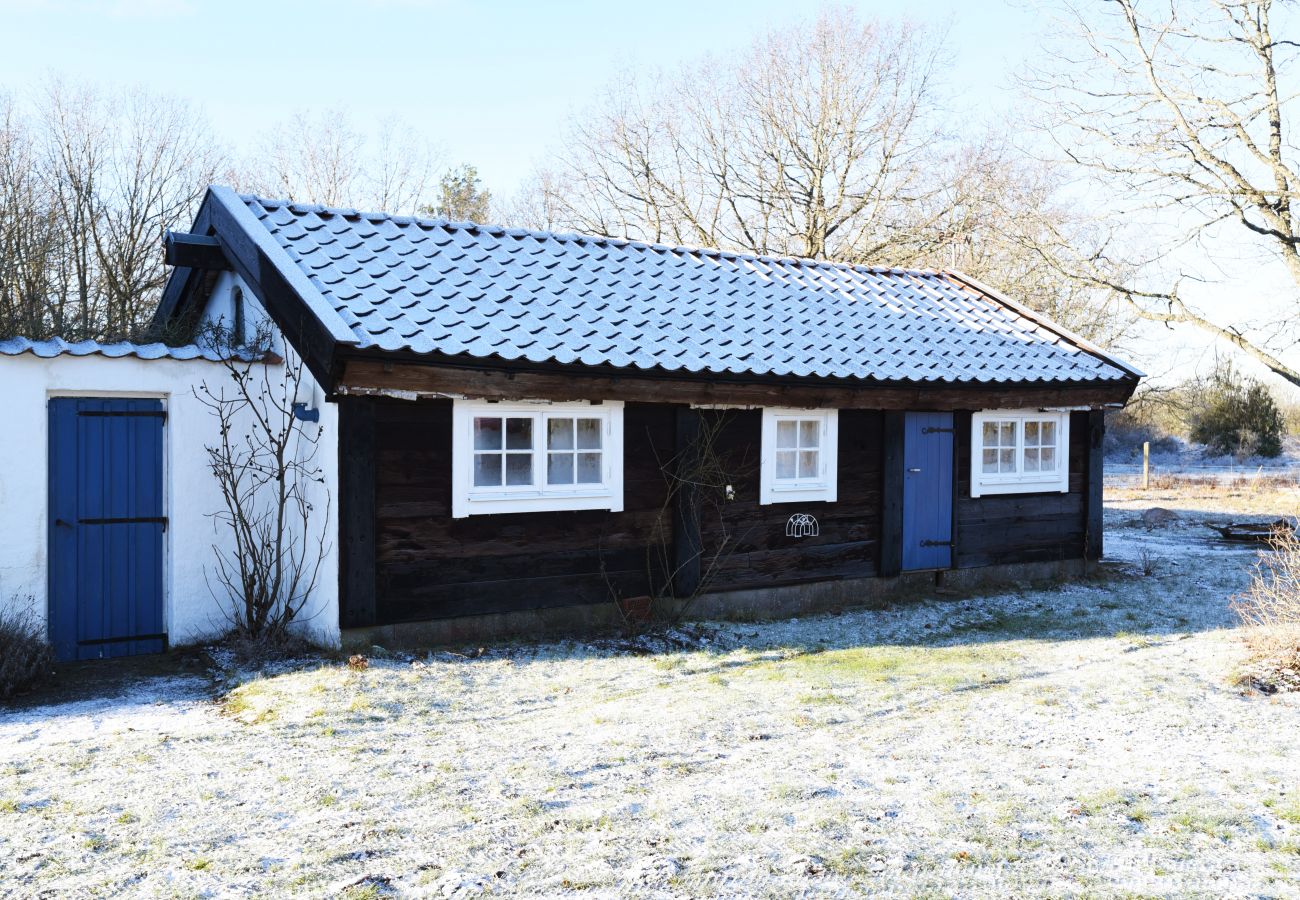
(1020, 482)
(820, 489)
(468, 500)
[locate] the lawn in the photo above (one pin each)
(1048, 741)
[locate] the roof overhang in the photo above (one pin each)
(226, 234)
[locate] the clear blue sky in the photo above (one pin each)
(488, 81)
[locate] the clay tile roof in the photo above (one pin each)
(460, 289)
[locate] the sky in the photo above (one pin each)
(489, 83)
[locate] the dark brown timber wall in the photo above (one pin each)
(1021, 528)
(406, 559)
(758, 553)
(429, 565)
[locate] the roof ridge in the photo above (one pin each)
(581, 238)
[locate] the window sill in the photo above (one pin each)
(803, 493)
(532, 502)
(1037, 486)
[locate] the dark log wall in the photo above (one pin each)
(430, 565)
(1019, 528)
(760, 553)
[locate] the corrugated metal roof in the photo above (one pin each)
(53, 347)
(431, 286)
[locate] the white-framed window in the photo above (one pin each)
(799, 455)
(1019, 451)
(535, 457)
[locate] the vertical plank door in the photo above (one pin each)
(106, 527)
(927, 490)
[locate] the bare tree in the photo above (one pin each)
(1184, 106)
(818, 141)
(324, 159)
(30, 233)
(160, 161)
(88, 183)
(264, 462)
(824, 140)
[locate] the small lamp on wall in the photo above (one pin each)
(303, 412)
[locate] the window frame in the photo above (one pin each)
(1020, 481)
(470, 500)
(820, 489)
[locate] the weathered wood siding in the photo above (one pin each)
(1018, 528)
(430, 565)
(761, 554)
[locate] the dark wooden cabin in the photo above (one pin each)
(524, 418)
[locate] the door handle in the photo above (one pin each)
(914, 470)
(62, 524)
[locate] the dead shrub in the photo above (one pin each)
(1270, 606)
(254, 651)
(26, 657)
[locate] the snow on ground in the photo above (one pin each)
(1046, 741)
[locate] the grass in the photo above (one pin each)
(940, 667)
(930, 749)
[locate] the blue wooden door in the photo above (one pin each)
(106, 527)
(927, 490)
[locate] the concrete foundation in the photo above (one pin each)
(748, 605)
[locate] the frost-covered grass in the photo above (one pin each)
(1075, 741)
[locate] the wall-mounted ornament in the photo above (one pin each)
(801, 525)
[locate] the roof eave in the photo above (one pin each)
(1081, 342)
(307, 320)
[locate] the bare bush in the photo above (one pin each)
(264, 462)
(26, 657)
(1270, 606)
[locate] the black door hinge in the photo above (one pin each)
(929, 543)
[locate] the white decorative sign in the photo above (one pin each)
(801, 525)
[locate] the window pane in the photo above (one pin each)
(487, 469)
(787, 434)
(990, 434)
(1006, 434)
(589, 434)
(1031, 460)
(559, 468)
(589, 468)
(1049, 434)
(1031, 434)
(1049, 459)
(519, 435)
(519, 467)
(785, 464)
(487, 434)
(810, 433)
(559, 434)
(1006, 461)
(990, 461)
(807, 463)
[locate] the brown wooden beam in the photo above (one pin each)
(193, 251)
(415, 380)
(357, 497)
(1094, 503)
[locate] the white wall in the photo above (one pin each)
(191, 611)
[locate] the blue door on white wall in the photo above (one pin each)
(927, 490)
(106, 527)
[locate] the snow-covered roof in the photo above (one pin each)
(53, 347)
(442, 289)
